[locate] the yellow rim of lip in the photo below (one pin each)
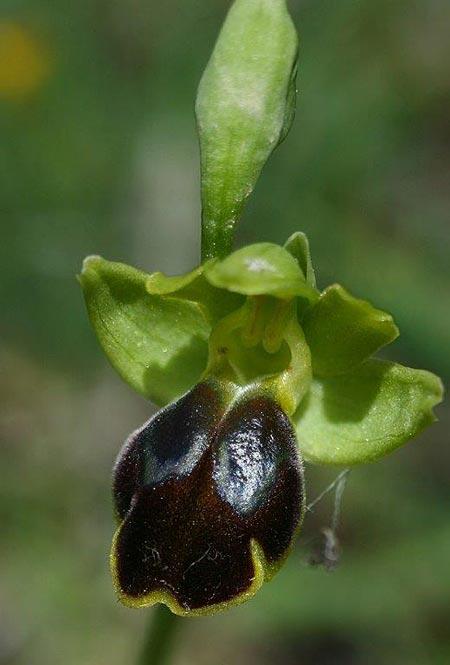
(262, 570)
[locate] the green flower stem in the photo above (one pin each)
(159, 640)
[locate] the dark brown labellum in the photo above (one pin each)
(195, 486)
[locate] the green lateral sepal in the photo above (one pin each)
(157, 343)
(365, 414)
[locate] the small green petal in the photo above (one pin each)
(216, 303)
(245, 106)
(159, 284)
(298, 245)
(260, 269)
(157, 343)
(365, 414)
(342, 331)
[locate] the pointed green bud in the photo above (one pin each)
(245, 107)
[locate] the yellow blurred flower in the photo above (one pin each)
(24, 62)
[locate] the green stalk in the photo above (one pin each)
(160, 637)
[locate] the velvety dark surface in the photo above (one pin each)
(168, 445)
(188, 531)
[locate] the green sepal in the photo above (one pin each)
(342, 331)
(245, 107)
(298, 245)
(157, 343)
(365, 414)
(261, 269)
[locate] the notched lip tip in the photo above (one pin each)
(164, 597)
(157, 597)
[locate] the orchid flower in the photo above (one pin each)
(257, 370)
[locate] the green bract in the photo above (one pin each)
(155, 330)
(245, 107)
(257, 370)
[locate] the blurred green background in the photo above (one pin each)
(98, 154)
